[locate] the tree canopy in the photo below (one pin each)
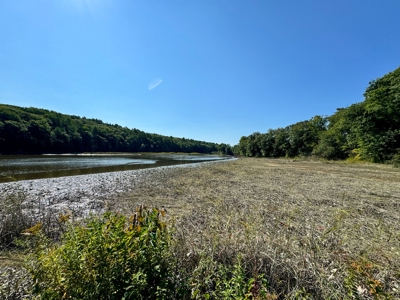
(33, 130)
(369, 130)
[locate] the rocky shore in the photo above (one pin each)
(83, 194)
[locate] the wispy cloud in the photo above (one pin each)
(84, 6)
(154, 83)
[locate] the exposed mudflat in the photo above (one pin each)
(84, 194)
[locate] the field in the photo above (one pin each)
(310, 224)
(316, 229)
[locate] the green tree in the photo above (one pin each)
(33, 130)
(379, 131)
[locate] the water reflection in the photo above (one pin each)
(45, 166)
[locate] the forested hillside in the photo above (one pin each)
(33, 130)
(369, 130)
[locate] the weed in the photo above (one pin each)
(108, 257)
(361, 283)
(213, 280)
(12, 219)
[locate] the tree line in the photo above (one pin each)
(369, 130)
(36, 131)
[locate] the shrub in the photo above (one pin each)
(108, 257)
(396, 160)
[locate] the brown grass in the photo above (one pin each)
(329, 230)
(315, 229)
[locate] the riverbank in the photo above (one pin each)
(85, 194)
(316, 229)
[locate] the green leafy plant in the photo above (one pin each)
(361, 283)
(108, 257)
(213, 280)
(396, 160)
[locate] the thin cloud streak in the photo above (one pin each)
(83, 7)
(154, 83)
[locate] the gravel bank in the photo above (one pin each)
(84, 194)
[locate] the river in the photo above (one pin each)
(24, 167)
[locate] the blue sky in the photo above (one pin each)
(208, 70)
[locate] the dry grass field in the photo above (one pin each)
(314, 229)
(326, 230)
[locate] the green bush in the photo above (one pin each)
(396, 160)
(108, 257)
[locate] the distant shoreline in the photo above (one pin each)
(118, 153)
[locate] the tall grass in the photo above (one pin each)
(226, 251)
(16, 216)
(13, 220)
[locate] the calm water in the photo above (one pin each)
(23, 167)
